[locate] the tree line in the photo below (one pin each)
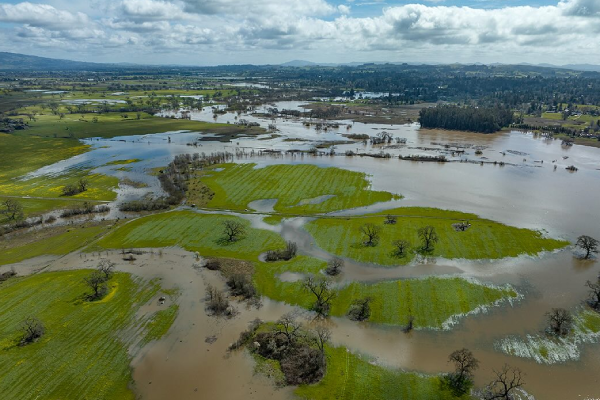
(476, 119)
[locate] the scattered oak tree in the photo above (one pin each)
(428, 236)
(33, 329)
(97, 282)
(106, 267)
(233, 230)
(13, 210)
(461, 380)
(401, 247)
(324, 294)
(371, 233)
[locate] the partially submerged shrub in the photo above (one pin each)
(241, 285)
(286, 254)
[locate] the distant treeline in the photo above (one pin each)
(476, 119)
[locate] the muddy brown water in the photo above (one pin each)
(527, 194)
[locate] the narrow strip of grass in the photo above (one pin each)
(433, 302)
(194, 232)
(352, 377)
(299, 189)
(84, 352)
(485, 239)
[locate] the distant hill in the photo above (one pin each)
(14, 61)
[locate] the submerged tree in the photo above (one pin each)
(594, 294)
(324, 294)
(428, 236)
(461, 380)
(560, 321)
(507, 381)
(233, 230)
(589, 244)
(371, 233)
(334, 266)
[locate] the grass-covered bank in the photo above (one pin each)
(432, 302)
(484, 239)
(55, 241)
(84, 351)
(299, 189)
(352, 377)
(194, 232)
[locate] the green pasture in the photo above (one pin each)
(485, 239)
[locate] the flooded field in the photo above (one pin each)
(518, 179)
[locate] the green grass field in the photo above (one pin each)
(53, 241)
(297, 188)
(194, 232)
(112, 124)
(431, 301)
(352, 377)
(84, 352)
(485, 239)
(29, 153)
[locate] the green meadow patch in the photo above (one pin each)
(55, 241)
(299, 189)
(85, 350)
(434, 303)
(484, 239)
(194, 232)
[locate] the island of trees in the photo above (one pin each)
(476, 119)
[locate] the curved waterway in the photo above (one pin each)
(531, 190)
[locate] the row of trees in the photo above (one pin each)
(427, 234)
(469, 118)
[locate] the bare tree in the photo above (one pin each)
(12, 209)
(233, 230)
(33, 329)
(594, 300)
(401, 247)
(97, 282)
(334, 266)
(216, 300)
(428, 236)
(507, 380)
(289, 327)
(560, 321)
(589, 244)
(321, 336)
(324, 294)
(106, 267)
(461, 380)
(371, 233)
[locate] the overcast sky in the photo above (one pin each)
(210, 32)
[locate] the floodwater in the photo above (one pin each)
(531, 190)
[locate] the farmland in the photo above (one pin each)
(484, 239)
(299, 189)
(84, 352)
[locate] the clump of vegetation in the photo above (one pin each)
(360, 310)
(85, 209)
(286, 254)
(241, 285)
(217, 302)
(335, 266)
(7, 275)
(300, 354)
(74, 189)
(476, 119)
